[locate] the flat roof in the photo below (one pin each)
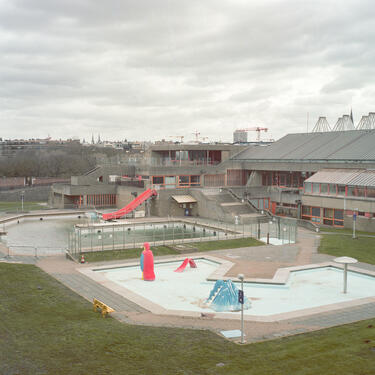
(184, 199)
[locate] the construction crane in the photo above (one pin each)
(177, 136)
(257, 129)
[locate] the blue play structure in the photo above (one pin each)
(224, 297)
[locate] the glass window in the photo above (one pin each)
(315, 188)
(370, 192)
(183, 180)
(332, 189)
(170, 182)
(315, 211)
(266, 203)
(351, 191)
(339, 214)
(323, 189)
(282, 179)
(195, 180)
(157, 180)
(306, 210)
(328, 212)
(307, 187)
(341, 190)
(261, 204)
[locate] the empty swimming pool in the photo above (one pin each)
(187, 291)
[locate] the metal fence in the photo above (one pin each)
(117, 236)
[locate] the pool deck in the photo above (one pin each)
(253, 262)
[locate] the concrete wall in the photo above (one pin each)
(360, 204)
(165, 205)
(208, 208)
(362, 223)
(124, 195)
(32, 194)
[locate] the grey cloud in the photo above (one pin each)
(130, 68)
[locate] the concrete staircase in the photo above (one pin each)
(226, 206)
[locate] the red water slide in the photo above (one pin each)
(185, 263)
(131, 206)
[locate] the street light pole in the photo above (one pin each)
(354, 220)
(22, 197)
(241, 299)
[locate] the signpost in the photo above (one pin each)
(241, 298)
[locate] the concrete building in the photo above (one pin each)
(290, 177)
(282, 175)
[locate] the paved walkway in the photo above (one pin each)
(259, 262)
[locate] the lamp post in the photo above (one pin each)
(354, 220)
(241, 299)
(22, 198)
(268, 232)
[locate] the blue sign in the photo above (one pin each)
(240, 297)
(354, 216)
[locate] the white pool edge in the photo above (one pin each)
(280, 277)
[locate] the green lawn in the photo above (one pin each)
(362, 248)
(99, 256)
(345, 231)
(16, 206)
(47, 329)
(227, 244)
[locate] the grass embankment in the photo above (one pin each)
(361, 248)
(99, 256)
(47, 329)
(17, 206)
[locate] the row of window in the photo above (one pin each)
(339, 190)
(327, 216)
(284, 179)
(171, 182)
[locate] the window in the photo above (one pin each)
(307, 187)
(333, 217)
(332, 189)
(306, 210)
(323, 189)
(158, 180)
(339, 218)
(354, 191)
(311, 213)
(189, 180)
(266, 205)
(170, 182)
(316, 189)
(315, 211)
(341, 190)
(183, 180)
(195, 180)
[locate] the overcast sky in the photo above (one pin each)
(147, 70)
